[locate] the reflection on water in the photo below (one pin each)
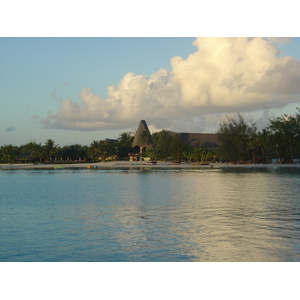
(152, 215)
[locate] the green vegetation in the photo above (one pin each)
(242, 142)
(164, 146)
(236, 138)
(9, 153)
(239, 142)
(50, 152)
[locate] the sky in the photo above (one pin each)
(80, 89)
(88, 72)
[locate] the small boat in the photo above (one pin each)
(92, 167)
(201, 164)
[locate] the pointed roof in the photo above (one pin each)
(140, 139)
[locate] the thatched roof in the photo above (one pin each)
(207, 140)
(143, 136)
(26, 154)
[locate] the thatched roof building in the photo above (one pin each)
(142, 139)
(26, 156)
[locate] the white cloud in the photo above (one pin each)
(278, 40)
(224, 75)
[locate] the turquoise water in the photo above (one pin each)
(150, 215)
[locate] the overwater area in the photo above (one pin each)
(150, 215)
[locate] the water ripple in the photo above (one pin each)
(115, 215)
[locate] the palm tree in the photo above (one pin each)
(186, 155)
(124, 145)
(162, 142)
(251, 145)
(38, 152)
(196, 154)
(213, 153)
(93, 150)
(9, 153)
(152, 153)
(105, 150)
(50, 149)
(205, 154)
(126, 139)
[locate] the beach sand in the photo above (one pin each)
(137, 164)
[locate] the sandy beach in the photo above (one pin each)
(133, 165)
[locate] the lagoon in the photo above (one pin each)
(150, 215)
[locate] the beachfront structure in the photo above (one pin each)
(26, 157)
(142, 140)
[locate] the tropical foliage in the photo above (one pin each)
(284, 134)
(124, 145)
(242, 142)
(239, 141)
(237, 138)
(9, 153)
(166, 146)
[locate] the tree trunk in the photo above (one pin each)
(278, 155)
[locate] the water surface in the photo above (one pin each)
(150, 215)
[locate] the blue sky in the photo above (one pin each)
(38, 75)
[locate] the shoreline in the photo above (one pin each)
(131, 165)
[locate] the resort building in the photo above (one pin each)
(143, 140)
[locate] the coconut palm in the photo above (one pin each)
(196, 154)
(126, 139)
(50, 149)
(9, 153)
(124, 145)
(106, 149)
(213, 153)
(93, 151)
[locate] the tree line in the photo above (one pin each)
(52, 152)
(171, 147)
(239, 142)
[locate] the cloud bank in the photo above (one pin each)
(224, 75)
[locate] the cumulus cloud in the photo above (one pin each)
(224, 75)
(278, 40)
(10, 129)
